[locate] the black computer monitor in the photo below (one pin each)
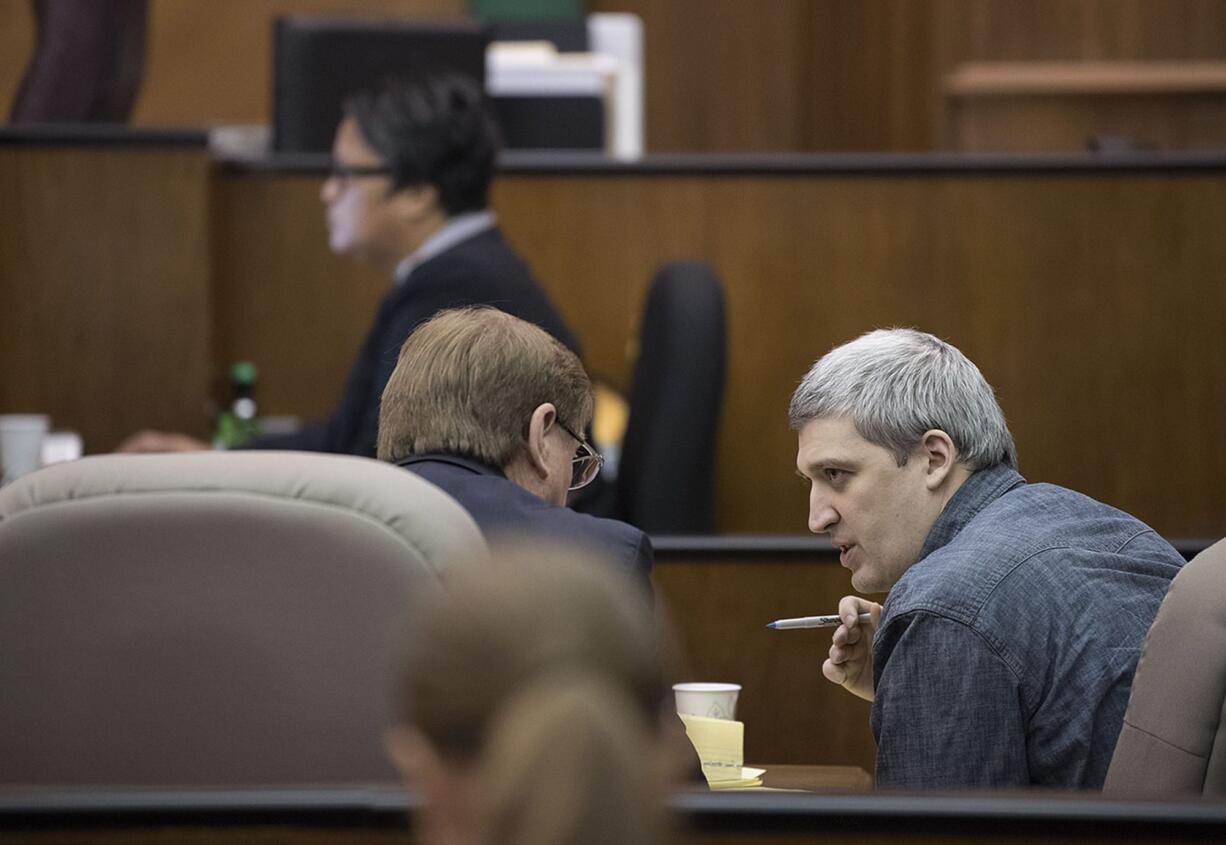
(317, 62)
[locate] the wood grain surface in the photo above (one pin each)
(719, 608)
(105, 272)
(1090, 301)
(721, 75)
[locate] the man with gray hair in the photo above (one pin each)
(1004, 652)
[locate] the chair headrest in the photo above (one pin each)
(423, 515)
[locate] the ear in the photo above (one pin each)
(412, 755)
(417, 201)
(939, 455)
(543, 420)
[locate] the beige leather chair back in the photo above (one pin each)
(211, 619)
(1174, 736)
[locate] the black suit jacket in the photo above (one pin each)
(501, 507)
(482, 270)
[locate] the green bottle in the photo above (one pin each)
(238, 424)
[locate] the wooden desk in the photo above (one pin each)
(814, 778)
(719, 592)
(719, 597)
(357, 816)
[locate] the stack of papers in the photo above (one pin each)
(749, 779)
(720, 744)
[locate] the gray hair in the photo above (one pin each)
(896, 384)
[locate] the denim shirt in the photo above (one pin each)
(1005, 654)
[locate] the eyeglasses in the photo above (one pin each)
(345, 173)
(586, 463)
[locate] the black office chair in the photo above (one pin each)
(666, 476)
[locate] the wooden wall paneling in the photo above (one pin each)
(16, 45)
(721, 75)
(867, 80)
(209, 62)
(1089, 301)
(1056, 30)
(599, 249)
(282, 299)
(719, 609)
(104, 289)
(807, 262)
(849, 261)
(815, 75)
(1073, 294)
(1053, 123)
(1053, 30)
(1084, 311)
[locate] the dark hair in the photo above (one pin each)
(437, 130)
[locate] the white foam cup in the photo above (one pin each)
(60, 446)
(715, 701)
(21, 444)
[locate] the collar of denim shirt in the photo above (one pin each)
(976, 493)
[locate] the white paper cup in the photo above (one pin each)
(715, 701)
(60, 446)
(21, 444)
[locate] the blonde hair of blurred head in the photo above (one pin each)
(532, 703)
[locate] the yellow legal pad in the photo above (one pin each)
(720, 744)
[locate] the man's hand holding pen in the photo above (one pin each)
(850, 663)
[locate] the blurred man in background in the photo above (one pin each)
(408, 192)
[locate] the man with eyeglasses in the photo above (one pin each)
(408, 192)
(490, 408)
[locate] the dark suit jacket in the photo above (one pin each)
(500, 506)
(482, 270)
